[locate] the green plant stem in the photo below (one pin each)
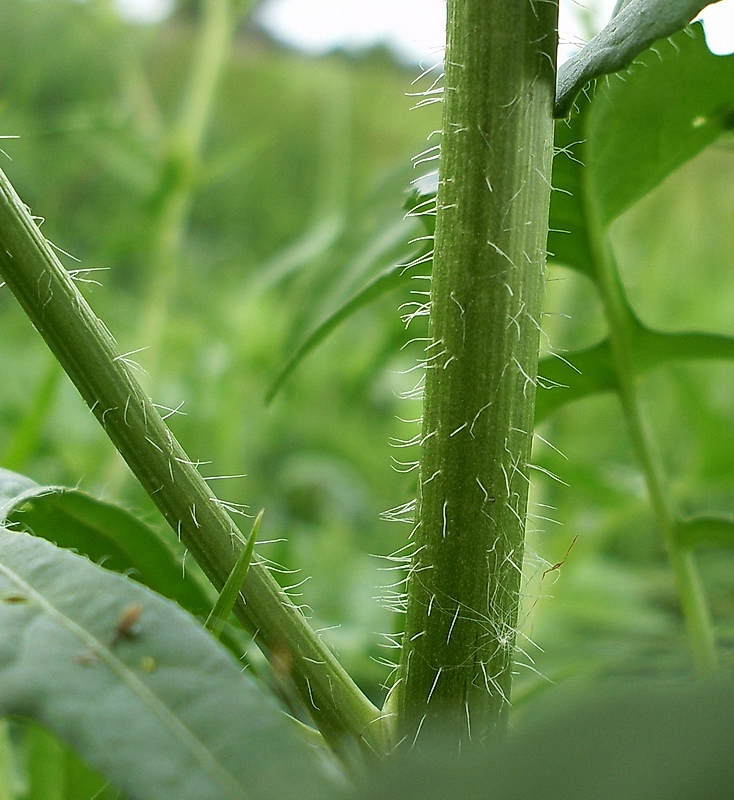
(481, 362)
(87, 352)
(181, 167)
(133, 81)
(623, 327)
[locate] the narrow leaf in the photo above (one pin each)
(137, 686)
(420, 204)
(27, 434)
(386, 281)
(573, 376)
(233, 586)
(638, 24)
(655, 348)
(706, 532)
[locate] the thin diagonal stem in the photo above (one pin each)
(86, 350)
(622, 329)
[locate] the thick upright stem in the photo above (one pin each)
(481, 361)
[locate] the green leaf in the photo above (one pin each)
(655, 348)
(233, 586)
(562, 380)
(633, 29)
(632, 132)
(8, 768)
(137, 686)
(646, 743)
(572, 376)
(27, 434)
(420, 203)
(53, 771)
(310, 245)
(102, 531)
(706, 532)
(568, 241)
(386, 281)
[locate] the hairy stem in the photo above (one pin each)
(87, 352)
(481, 362)
(180, 167)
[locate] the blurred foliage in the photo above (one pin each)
(306, 168)
(633, 744)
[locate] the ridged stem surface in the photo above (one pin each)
(481, 361)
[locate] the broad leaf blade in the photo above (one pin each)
(162, 709)
(568, 241)
(634, 131)
(674, 102)
(638, 24)
(646, 743)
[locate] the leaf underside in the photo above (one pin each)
(102, 531)
(137, 686)
(638, 25)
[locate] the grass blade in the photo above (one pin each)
(385, 282)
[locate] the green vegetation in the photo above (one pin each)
(238, 215)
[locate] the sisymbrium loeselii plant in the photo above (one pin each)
(138, 668)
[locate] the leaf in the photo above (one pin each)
(674, 102)
(386, 281)
(646, 743)
(53, 771)
(310, 245)
(631, 133)
(28, 432)
(706, 532)
(233, 585)
(655, 348)
(633, 29)
(102, 531)
(562, 380)
(139, 688)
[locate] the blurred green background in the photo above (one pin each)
(297, 202)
